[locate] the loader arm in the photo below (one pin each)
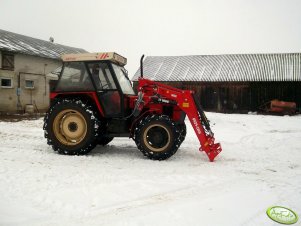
(188, 103)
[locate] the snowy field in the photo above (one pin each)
(260, 166)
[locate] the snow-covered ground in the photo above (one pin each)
(260, 166)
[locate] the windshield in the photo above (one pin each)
(123, 80)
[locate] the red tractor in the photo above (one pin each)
(94, 101)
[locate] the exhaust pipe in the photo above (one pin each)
(141, 66)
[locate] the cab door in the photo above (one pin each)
(107, 91)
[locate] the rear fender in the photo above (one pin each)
(90, 96)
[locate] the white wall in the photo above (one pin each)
(38, 67)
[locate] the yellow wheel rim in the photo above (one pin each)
(70, 127)
(156, 137)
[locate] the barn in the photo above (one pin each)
(25, 63)
(230, 83)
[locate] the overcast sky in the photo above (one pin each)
(160, 27)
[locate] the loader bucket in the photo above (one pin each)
(213, 151)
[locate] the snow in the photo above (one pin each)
(115, 185)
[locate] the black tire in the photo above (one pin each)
(104, 140)
(66, 118)
(182, 132)
(156, 136)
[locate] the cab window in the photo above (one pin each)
(102, 76)
(74, 77)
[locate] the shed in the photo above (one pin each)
(230, 83)
(24, 65)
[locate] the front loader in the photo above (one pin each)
(94, 102)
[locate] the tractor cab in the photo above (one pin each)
(100, 73)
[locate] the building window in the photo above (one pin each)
(29, 84)
(6, 83)
(8, 61)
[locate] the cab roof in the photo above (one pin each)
(111, 56)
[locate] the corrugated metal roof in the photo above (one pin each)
(223, 68)
(23, 44)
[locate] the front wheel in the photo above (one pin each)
(156, 137)
(182, 132)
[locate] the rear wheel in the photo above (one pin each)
(156, 137)
(71, 127)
